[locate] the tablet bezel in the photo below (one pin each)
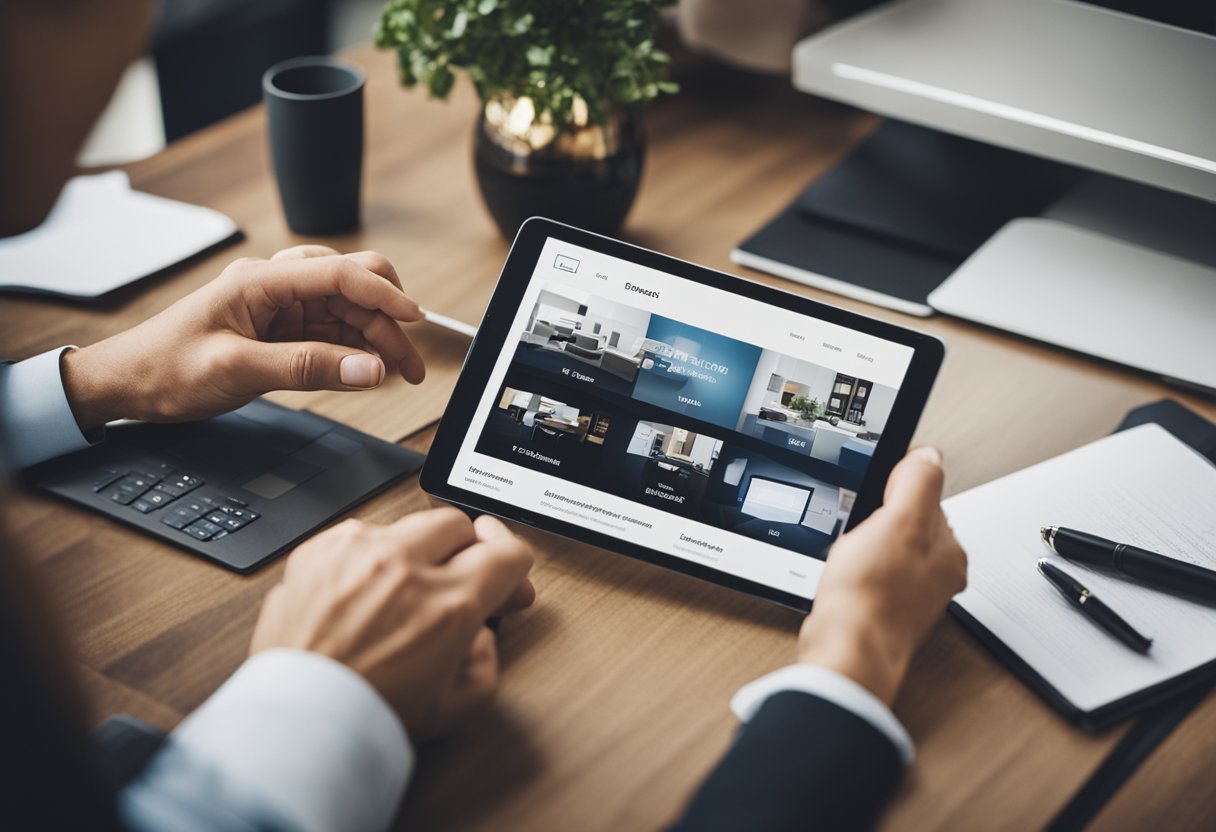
(495, 328)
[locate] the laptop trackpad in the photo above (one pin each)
(282, 478)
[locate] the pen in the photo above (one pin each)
(449, 323)
(1140, 565)
(1092, 608)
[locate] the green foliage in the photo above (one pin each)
(552, 51)
(809, 408)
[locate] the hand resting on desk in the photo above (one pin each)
(307, 319)
(405, 606)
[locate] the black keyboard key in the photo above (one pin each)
(202, 529)
(176, 521)
(231, 523)
(245, 515)
(199, 505)
(197, 531)
(219, 534)
(216, 517)
(143, 480)
(157, 498)
(107, 478)
(123, 498)
(169, 491)
(142, 505)
(186, 512)
(128, 489)
(179, 484)
(239, 503)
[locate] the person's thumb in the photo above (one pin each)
(916, 482)
(311, 365)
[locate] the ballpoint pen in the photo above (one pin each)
(1092, 608)
(450, 323)
(1140, 565)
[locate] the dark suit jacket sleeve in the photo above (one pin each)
(801, 763)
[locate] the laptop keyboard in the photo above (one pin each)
(164, 486)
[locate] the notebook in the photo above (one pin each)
(1141, 486)
(102, 235)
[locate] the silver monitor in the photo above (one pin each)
(1129, 98)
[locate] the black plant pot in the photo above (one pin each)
(585, 176)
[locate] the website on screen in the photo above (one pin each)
(681, 417)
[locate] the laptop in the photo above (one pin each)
(238, 489)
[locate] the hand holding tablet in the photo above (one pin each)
(676, 414)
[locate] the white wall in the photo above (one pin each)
(629, 321)
(878, 409)
(757, 393)
(818, 379)
(643, 438)
(553, 307)
(821, 513)
(703, 451)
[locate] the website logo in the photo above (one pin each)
(565, 264)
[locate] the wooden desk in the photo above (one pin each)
(614, 697)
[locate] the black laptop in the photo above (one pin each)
(238, 489)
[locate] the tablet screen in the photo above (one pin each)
(684, 418)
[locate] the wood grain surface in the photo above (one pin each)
(614, 696)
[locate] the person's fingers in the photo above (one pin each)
(478, 679)
(488, 527)
(523, 596)
(300, 252)
(283, 284)
(376, 262)
(492, 570)
(384, 335)
(916, 483)
(306, 365)
(433, 536)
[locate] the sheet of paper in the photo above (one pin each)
(1141, 486)
(102, 235)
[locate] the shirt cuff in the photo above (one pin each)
(36, 421)
(829, 685)
(292, 735)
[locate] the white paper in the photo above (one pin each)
(1140, 486)
(102, 235)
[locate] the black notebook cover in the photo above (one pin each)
(1196, 432)
(903, 210)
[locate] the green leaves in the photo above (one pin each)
(553, 51)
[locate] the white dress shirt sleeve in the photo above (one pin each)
(36, 421)
(294, 740)
(829, 685)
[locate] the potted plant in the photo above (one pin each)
(808, 407)
(560, 82)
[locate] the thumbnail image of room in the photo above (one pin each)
(813, 410)
(664, 465)
(558, 434)
(751, 495)
(573, 330)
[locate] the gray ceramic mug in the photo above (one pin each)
(314, 109)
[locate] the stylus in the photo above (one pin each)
(1140, 565)
(1093, 609)
(450, 323)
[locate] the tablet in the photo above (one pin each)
(676, 414)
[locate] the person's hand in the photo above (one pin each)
(405, 606)
(886, 582)
(307, 319)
